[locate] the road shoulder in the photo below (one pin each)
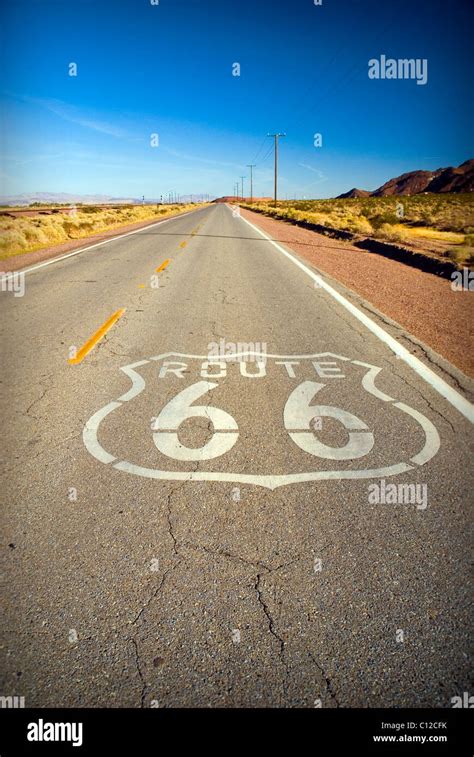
(439, 320)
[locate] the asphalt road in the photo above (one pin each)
(222, 546)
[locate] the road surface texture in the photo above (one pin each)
(182, 529)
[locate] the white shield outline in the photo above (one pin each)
(429, 450)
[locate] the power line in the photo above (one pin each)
(259, 150)
(345, 78)
(267, 155)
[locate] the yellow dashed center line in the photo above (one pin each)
(141, 286)
(162, 266)
(183, 244)
(91, 343)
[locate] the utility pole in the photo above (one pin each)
(275, 136)
(251, 166)
(242, 177)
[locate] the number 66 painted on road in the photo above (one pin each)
(297, 416)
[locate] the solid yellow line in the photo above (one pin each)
(91, 343)
(162, 266)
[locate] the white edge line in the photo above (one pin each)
(91, 246)
(431, 378)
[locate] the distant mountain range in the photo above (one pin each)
(460, 179)
(61, 198)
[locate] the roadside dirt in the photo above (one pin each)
(424, 304)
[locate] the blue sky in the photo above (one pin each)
(167, 69)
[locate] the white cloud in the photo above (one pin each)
(76, 116)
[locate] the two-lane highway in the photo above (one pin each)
(285, 528)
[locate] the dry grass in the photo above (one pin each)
(28, 233)
(443, 224)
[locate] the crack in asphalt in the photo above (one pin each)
(157, 590)
(224, 553)
(419, 392)
(170, 524)
(140, 674)
(58, 445)
(329, 685)
(35, 401)
(135, 621)
(154, 594)
(105, 343)
(433, 362)
(224, 297)
(178, 545)
(273, 631)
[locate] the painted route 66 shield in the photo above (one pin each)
(268, 420)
